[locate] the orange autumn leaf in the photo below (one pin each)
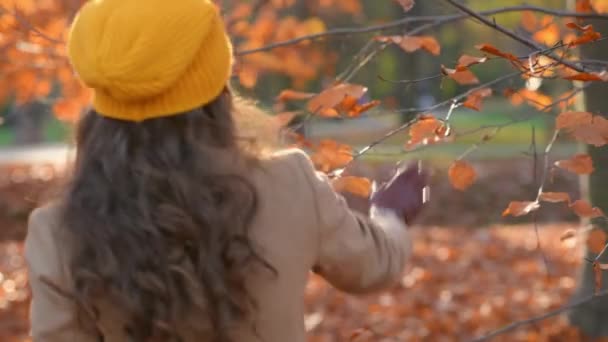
(462, 77)
(517, 209)
(325, 103)
(291, 95)
(554, 197)
(431, 45)
(529, 21)
(466, 61)
(355, 185)
(407, 5)
(67, 109)
(427, 130)
(358, 109)
(329, 155)
(594, 133)
(581, 164)
(496, 52)
(584, 6)
(462, 175)
(572, 119)
(597, 271)
(533, 98)
(583, 209)
(580, 28)
(475, 99)
(596, 240)
(588, 34)
(549, 36)
(414, 43)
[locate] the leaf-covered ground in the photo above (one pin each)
(461, 283)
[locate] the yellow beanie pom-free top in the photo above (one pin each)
(149, 59)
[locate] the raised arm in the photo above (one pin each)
(357, 253)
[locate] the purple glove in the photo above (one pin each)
(405, 193)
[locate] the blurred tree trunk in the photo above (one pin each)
(29, 121)
(592, 319)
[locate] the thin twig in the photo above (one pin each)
(529, 321)
(525, 41)
(437, 20)
(410, 81)
(597, 258)
(28, 26)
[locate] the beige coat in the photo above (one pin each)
(302, 224)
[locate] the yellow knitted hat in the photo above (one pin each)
(149, 59)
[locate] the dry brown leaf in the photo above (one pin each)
(430, 44)
(475, 99)
(427, 130)
(583, 209)
(573, 119)
(580, 163)
(555, 197)
(463, 76)
(488, 48)
(598, 276)
(595, 133)
(330, 98)
(330, 155)
(516, 208)
(466, 61)
(355, 185)
(291, 95)
(414, 43)
(462, 175)
(596, 240)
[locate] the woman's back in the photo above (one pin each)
(300, 225)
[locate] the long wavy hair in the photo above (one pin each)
(159, 213)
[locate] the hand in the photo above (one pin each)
(404, 193)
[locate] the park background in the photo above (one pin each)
(473, 269)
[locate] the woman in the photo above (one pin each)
(170, 228)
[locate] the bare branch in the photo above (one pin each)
(28, 26)
(527, 42)
(518, 324)
(435, 20)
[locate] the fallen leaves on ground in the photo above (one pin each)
(461, 284)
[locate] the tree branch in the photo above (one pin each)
(527, 42)
(518, 324)
(436, 20)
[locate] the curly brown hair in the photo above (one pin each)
(159, 212)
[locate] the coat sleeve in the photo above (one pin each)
(356, 253)
(52, 311)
